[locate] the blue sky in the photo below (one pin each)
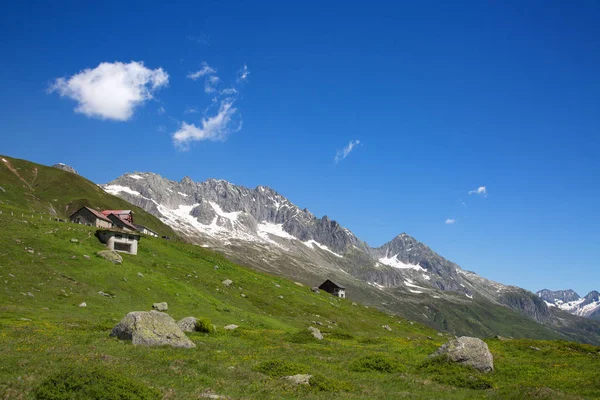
(382, 116)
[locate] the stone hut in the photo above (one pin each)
(334, 289)
(91, 217)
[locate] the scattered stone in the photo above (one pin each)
(230, 327)
(101, 293)
(124, 279)
(84, 304)
(140, 274)
(316, 290)
(24, 319)
(300, 379)
(410, 322)
(111, 256)
(74, 240)
(386, 327)
(243, 295)
(216, 267)
(188, 324)
(280, 297)
(11, 275)
(354, 303)
(30, 250)
(429, 337)
(502, 338)
(315, 332)
(29, 294)
(86, 256)
(227, 282)
(298, 284)
(210, 394)
(160, 306)
(440, 334)
(469, 351)
(277, 285)
(151, 328)
(535, 348)
(73, 257)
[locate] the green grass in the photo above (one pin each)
(43, 332)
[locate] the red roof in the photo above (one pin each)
(127, 224)
(116, 212)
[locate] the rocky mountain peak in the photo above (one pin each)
(552, 296)
(65, 167)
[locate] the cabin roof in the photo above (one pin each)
(127, 224)
(116, 212)
(333, 283)
(96, 213)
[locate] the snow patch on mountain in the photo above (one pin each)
(311, 243)
(116, 189)
(395, 263)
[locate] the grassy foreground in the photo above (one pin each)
(48, 342)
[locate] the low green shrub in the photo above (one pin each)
(204, 325)
(447, 372)
(301, 337)
(341, 336)
(278, 368)
(325, 384)
(88, 384)
(377, 362)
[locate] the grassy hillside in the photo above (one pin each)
(43, 332)
(41, 189)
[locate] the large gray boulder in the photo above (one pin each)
(151, 328)
(111, 256)
(469, 351)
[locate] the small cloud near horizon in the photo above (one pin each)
(481, 190)
(111, 90)
(205, 70)
(341, 154)
(450, 221)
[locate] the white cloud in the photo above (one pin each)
(481, 190)
(216, 127)
(243, 73)
(190, 110)
(450, 221)
(341, 154)
(205, 70)
(111, 90)
(161, 110)
(210, 84)
(229, 91)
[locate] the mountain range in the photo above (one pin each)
(569, 301)
(262, 229)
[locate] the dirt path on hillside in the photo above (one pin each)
(14, 171)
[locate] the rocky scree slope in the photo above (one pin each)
(263, 229)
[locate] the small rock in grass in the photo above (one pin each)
(84, 304)
(227, 282)
(315, 289)
(188, 324)
(230, 327)
(140, 274)
(316, 333)
(74, 240)
(535, 348)
(386, 327)
(86, 256)
(73, 257)
(243, 295)
(298, 284)
(280, 297)
(160, 306)
(216, 267)
(300, 379)
(111, 256)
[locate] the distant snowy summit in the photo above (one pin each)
(571, 302)
(65, 167)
